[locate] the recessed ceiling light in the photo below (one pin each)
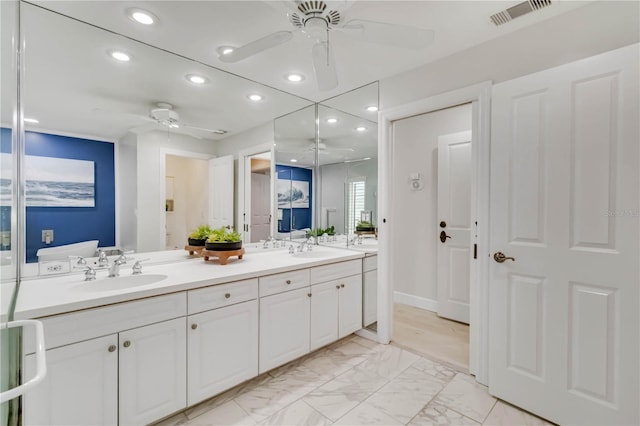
(120, 56)
(31, 120)
(332, 120)
(372, 108)
(293, 160)
(255, 97)
(294, 78)
(197, 79)
(224, 50)
(361, 129)
(141, 16)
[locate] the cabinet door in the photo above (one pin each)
(81, 386)
(223, 349)
(152, 371)
(370, 298)
(350, 305)
(324, 314)
(284, 327)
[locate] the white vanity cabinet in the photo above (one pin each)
(123, 363)
(336, 302)
(284, 318)
(222, 338)
(81, 386)
(370, 286)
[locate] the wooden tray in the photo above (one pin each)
(194, 249)
(222, 255)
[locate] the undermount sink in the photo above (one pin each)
(312, 254)
(119, 283)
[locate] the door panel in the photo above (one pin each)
(324, 314)
(564, 204)
(260, 206)
(454, 209)
(221, 191)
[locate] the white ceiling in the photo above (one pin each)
(72, 86)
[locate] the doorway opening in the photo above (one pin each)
(258, 208)
(433, 198)
(186, 197)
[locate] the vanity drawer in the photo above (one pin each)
(277, 283)
(217, 296)
(77, 326)
(333, 271)
(369, 263)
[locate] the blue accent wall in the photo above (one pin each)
(74, 224)
(302, 215)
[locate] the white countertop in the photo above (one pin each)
(55, 295)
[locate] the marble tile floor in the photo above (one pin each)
(357, 382)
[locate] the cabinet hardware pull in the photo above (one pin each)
(227, 295)
(194, 326)
(126, 344)
(112, 348)
(288, 281)
(342, 285)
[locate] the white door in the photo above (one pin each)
(564, 206)
(221, 191)
(324, 314)
(260, 226)
(349, 305)
(222, 349)
(454, 225)
(81, 386)
(153, 372)
(284, 327)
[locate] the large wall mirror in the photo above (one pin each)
(113, 125)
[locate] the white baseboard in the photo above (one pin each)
(416, 301)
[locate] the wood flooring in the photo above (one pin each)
(424, 332)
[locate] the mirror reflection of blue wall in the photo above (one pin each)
(76, 206)
(294, 188)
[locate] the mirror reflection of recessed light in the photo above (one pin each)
(224, 50)
(255, 97)
(31, 120)
(294, 78)
(332, 120)
(141, 16)
(174, 125)
(293, 160)
(120, 56)
(219, 132)
(197, 79)
(361, 129)
(372, 108)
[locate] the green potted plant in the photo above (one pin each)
(199, 236)
(223, 239)
(364, 226)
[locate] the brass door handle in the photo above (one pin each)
(500, 257)
(443, 237)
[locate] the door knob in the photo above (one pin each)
(500, 257)
(443, 224)
(443, 236)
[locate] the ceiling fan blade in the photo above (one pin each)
(145, 128)
(325, 66)
(185, 131)
(390, 34)
(257, 46)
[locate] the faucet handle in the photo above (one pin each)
(122, 259)
(90, 274)
(137, 267)
(103, 260)
(291, 249)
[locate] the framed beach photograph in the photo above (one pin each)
(59, 182)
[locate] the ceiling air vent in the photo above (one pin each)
(518, 10)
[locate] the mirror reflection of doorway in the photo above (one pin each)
(187, 197)
(260, 207)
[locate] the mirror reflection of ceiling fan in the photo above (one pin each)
(165, 117)
(317, 19)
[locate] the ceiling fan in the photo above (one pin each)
(165, 116)
(317, 19)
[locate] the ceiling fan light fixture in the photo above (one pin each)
(255, 97)
(197, 79)
(120, 56)
(141, 16)
(294, 78)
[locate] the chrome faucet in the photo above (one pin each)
(301, 246)
(114, 270)
(90, 274)
(102, 259)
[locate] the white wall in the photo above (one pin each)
(190, 198)
(414, 243)
(150, 234)
(127, 192)
(584, 32)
